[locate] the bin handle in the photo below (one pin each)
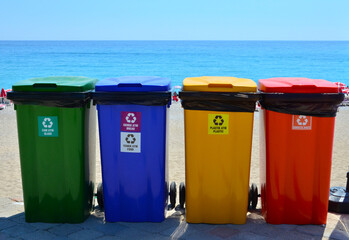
(175, 93)
(129, 85)
(302, 86)
(220, 85)
(45, 85)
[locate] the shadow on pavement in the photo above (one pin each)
(341, 230)
(174, 227)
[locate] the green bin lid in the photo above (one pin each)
(55, 84)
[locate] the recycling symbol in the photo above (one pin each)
(131, 118)
(47, 123)
(218, 120)
(302, 120)
(130, 138)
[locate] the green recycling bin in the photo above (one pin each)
(56, 123)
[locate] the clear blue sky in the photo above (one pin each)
(174, 19)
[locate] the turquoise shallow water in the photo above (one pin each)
(174, 59)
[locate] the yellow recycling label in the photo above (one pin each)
(218, 123)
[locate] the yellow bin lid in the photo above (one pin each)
(219, 84)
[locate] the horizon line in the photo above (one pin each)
(13, 40)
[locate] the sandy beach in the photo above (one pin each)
(10, 163)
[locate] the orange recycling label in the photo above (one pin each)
(301, 122)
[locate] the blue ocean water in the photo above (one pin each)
(174, 59)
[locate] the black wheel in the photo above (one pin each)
(181, 194)
(254, 196)
(173, 194)
(100, 199)
(249, 198)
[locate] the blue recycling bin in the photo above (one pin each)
(132, 115)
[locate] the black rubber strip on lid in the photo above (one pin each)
(51, 99)
(219, 101)
(309, 104)
(132, 98)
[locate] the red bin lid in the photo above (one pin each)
(297, 85)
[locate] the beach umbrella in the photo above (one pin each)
(346, 91)
(7, 90)
(343, 89)
(3, 93)
(339, 84)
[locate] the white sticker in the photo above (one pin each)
(301, 122)
(130, 142)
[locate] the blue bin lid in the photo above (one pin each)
(133, 84)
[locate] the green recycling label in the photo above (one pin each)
(48, 126)
(218, 124)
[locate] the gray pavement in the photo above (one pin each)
(13, 226)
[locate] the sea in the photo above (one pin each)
(176, 60)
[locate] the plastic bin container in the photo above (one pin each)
(218, 114)
(132, 114)
(296, 138)
(56, 132)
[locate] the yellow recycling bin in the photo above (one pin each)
(218, 113)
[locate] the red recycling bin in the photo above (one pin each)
(297, 127)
